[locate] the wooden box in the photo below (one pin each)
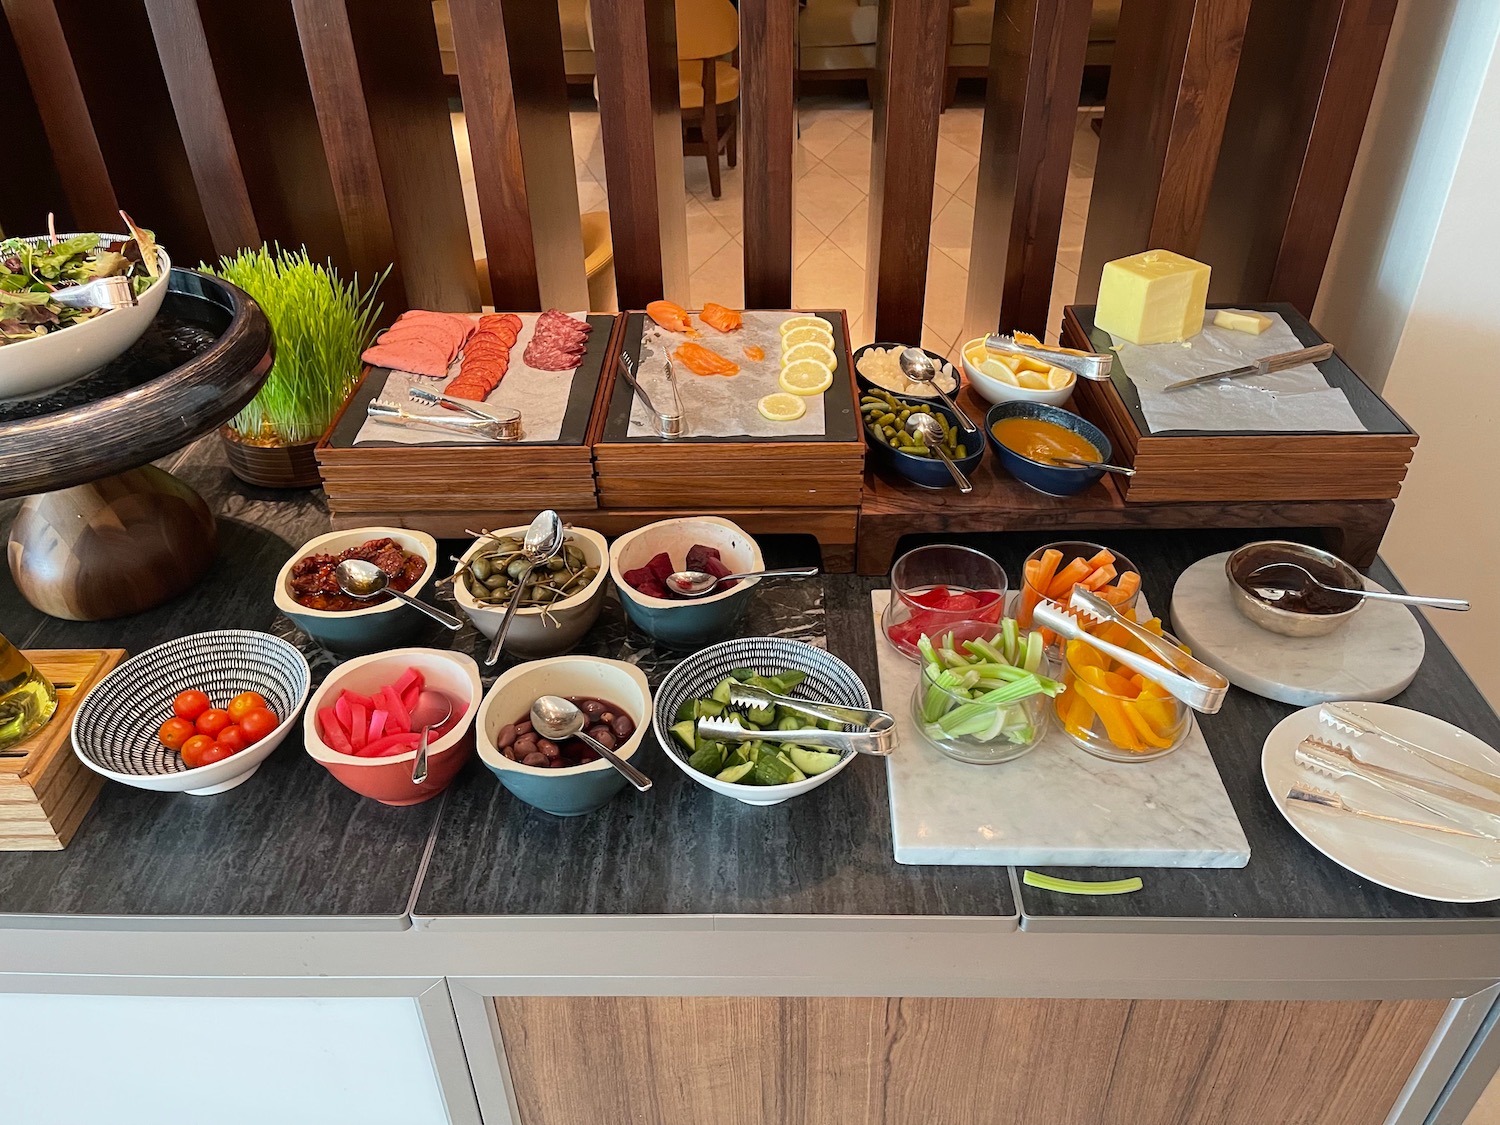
(44, 789)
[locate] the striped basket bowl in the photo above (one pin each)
(114, 732)
(829, 680)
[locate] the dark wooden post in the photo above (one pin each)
(640, 118)
(1036, 65)
(1172, 77)
(768, 125)
(912, 50)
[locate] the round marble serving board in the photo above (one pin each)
(1371, 658)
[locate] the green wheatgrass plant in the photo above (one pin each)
(319, 324)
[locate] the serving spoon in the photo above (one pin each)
(543, 539)
(558, 719)
(930, 433)
(1304, 580)
(362, 579)
(1085, 463)
(699, 583)
(917, 366)
(433, 709)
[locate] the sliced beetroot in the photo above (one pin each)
(661, 566)
(698, 556)
(653, 589)
(639, 577)
(719, 570)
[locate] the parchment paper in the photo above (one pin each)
(1296, 399)
(719, 405)
(540, 396)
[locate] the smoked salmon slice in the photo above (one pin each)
(670, 315)
(704, 361)
(717, 316)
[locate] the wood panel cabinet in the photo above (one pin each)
(899, 1061)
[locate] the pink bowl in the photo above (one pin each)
(388, 780)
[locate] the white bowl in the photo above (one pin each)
(45, 363)
(540, 632)
(572, 790)
(995, 390)
(364, 630)
(114, 731)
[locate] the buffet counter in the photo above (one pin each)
(678, 957)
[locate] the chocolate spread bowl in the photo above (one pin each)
(1312, 613)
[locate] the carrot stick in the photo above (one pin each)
(1046, 568)
(1104, 574)
(1129, 582)
(1068, 577)
(1103, 558)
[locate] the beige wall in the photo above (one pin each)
(1412, 298)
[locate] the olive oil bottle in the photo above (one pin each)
(27, 700)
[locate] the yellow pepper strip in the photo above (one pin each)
(1159, 713)
(1073, 710)
(1109, 710)
(1116, 684)
(1143, 728)
(1082, 654)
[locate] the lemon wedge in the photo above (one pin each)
(782, 407)
(795, 322)
(814, 350)
(1058, 378)
(807, 333)
(805, 377)
(998, 370)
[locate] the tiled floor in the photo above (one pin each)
(828, 243)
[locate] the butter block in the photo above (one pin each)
(1252, 322)
(1156, 297)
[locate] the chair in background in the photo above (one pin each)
(708, 38)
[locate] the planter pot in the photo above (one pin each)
(272, 466)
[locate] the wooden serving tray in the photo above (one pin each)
(44, 789)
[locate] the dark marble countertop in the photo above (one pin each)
(294, 849)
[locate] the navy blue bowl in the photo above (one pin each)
(1054, 480)
(929, 472)
(938, 360)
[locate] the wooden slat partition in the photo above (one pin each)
(1036, 65)
(189, 69)
(768, 130)
(27, 198)
(1172, 76)
(510, 69)
(640, 120)
(912, 50)
(50, 69)
(333, 75)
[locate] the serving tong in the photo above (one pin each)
(751, 695)
(1349, 722)
(476, 422)
(870, 741)
(668, 422)
(101, 293)
(1086, 365)
(1184, 677)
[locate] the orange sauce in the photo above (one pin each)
(1039, 440)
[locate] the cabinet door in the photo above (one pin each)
(894, 1061)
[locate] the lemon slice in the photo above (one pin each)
(782, 407)
(1058, 378)
(805, 377)
(806, 335)
(814, 350)
(795, 322)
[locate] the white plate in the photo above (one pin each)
(1424, 864)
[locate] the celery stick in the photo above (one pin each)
(1034, 651)
(929, 654)
(1080, 887)
(1011, 634)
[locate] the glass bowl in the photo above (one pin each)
(977, 733)
(1113, 712)
(1071, 550)
(924, 581)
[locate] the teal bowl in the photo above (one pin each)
(575, 790)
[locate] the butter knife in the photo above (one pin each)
(1263, 366)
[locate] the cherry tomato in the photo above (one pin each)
(242, 704)
(216, 752)
(212, 721)
(256, 724)
(193, 750)
(233, 739)
(190, 704)
(174, 732)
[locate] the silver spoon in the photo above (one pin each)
(362, 579)
(559, 719)
(917, 366)
(1085, 463)
(699, 583)
(543, 539)
(432, 710)
(1277, 593)
(930, 434)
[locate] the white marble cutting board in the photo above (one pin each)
(1056, 805)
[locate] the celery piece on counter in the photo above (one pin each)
(1079, 886)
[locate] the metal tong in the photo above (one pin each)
(749, 695)
(1203, 691)
(668, 422)
(100, 293)
(878, 742)
(508, 416)
(1263, 366)
(1335, 803)
(1086, 365)
(483, 426)
(1342, 719)
(1337, 761)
